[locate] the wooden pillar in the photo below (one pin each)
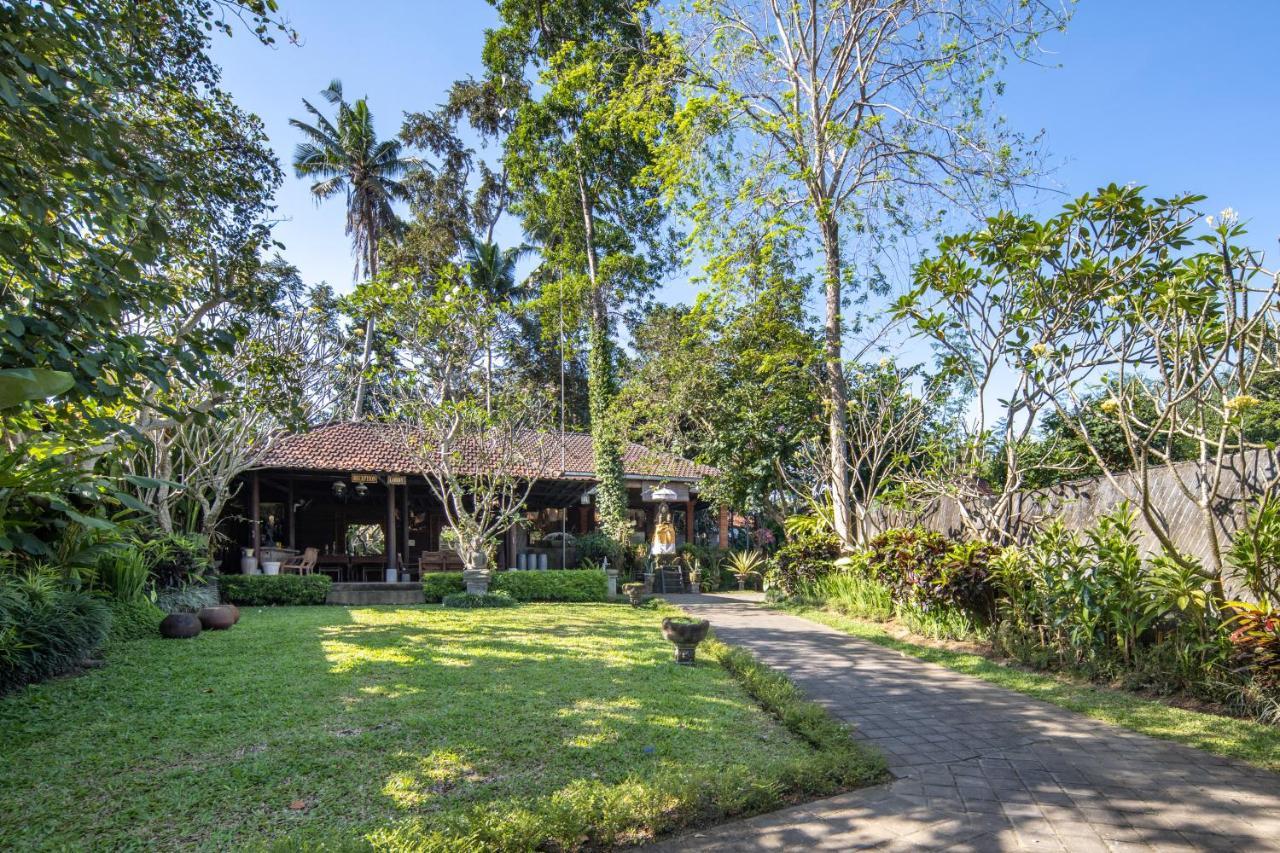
(724, 527)
(293, 530)
(584, 518)
(255, 515)
(404, 521)
(688, 521)
(391, 576)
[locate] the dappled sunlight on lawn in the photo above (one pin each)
(378, 722)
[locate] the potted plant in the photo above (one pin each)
(248, 562)
(695, 581)
(745, 565)
(685, 633)
(634, 592)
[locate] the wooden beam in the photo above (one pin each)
(390, 539)
(293, 531)
(724, 527)
(255, 515)
(688, 521)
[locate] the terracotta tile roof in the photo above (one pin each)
(378, 448)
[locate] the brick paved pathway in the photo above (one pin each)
(979, 767)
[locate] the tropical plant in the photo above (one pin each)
(124, 572)
(1254, 555)
(346, 156)
(745, 565)
(801, 559)
(45, 627)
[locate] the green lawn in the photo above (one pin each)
(1254, 742)
(410, 728)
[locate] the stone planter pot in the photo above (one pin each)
(476, 580)
(235, 612)
(742, 584)
(611, 579)
(634, 592)
(180, 626)
(271, 568)
(217, 618)
(685, 635)
(248, 564)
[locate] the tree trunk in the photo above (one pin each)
(371, 268)
(837, 391)
(611, 491)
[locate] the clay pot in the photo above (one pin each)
(685, 635)
(180, 626)
(217, 618)
(235, 611)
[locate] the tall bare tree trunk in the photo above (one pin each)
(837, 390)
(372, 270)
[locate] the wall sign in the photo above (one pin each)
(364, 478)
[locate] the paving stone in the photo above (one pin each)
(977, 767)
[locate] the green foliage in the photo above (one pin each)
(176, 559)
(46, 628)
(801, 560)
(188, 598)
(594, 547)
(436, 585)
(138, 619)
(124, 572)
(1254, 555)
(744, 565)
(469, 600)
(266, 590)
(564, 585)
(852, 592)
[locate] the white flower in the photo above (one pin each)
(1208, 220)
(1228, 216)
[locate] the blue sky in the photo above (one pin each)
(1178, 95)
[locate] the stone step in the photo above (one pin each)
(376, 593)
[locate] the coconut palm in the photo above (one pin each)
(493, 272)
(345, 155)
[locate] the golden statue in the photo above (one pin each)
(664, 532)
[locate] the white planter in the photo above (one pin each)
(271, 568)
(248, 565)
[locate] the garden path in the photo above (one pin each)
(980, 767)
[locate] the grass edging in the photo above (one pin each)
(1249, 741)
(845, 763)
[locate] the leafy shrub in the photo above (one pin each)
(803, 559)
(595, 546)
(852, 593)
(177, 558)
(266, 590)
(45, 628)
(471, 600)
(563, 585)
(135, 620)
(1255, 641)
(436, 585)
(927, 571)
(188, 598)
(124, 573)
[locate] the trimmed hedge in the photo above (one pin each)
(467, 601)
(436, 585)
(260, 590)
(557, 585)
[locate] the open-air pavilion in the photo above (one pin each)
(359, 498)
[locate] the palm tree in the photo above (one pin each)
(493, 272)
(346, 156)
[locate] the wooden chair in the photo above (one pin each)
(303, 564)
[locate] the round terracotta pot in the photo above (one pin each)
(217, 618)
(235, 611)
(180, 626)
(686, 636)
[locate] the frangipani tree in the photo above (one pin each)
(1118, 292)
(481, 452)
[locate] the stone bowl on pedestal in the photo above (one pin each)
(685, 633)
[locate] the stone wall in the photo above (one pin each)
(1080, 503)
